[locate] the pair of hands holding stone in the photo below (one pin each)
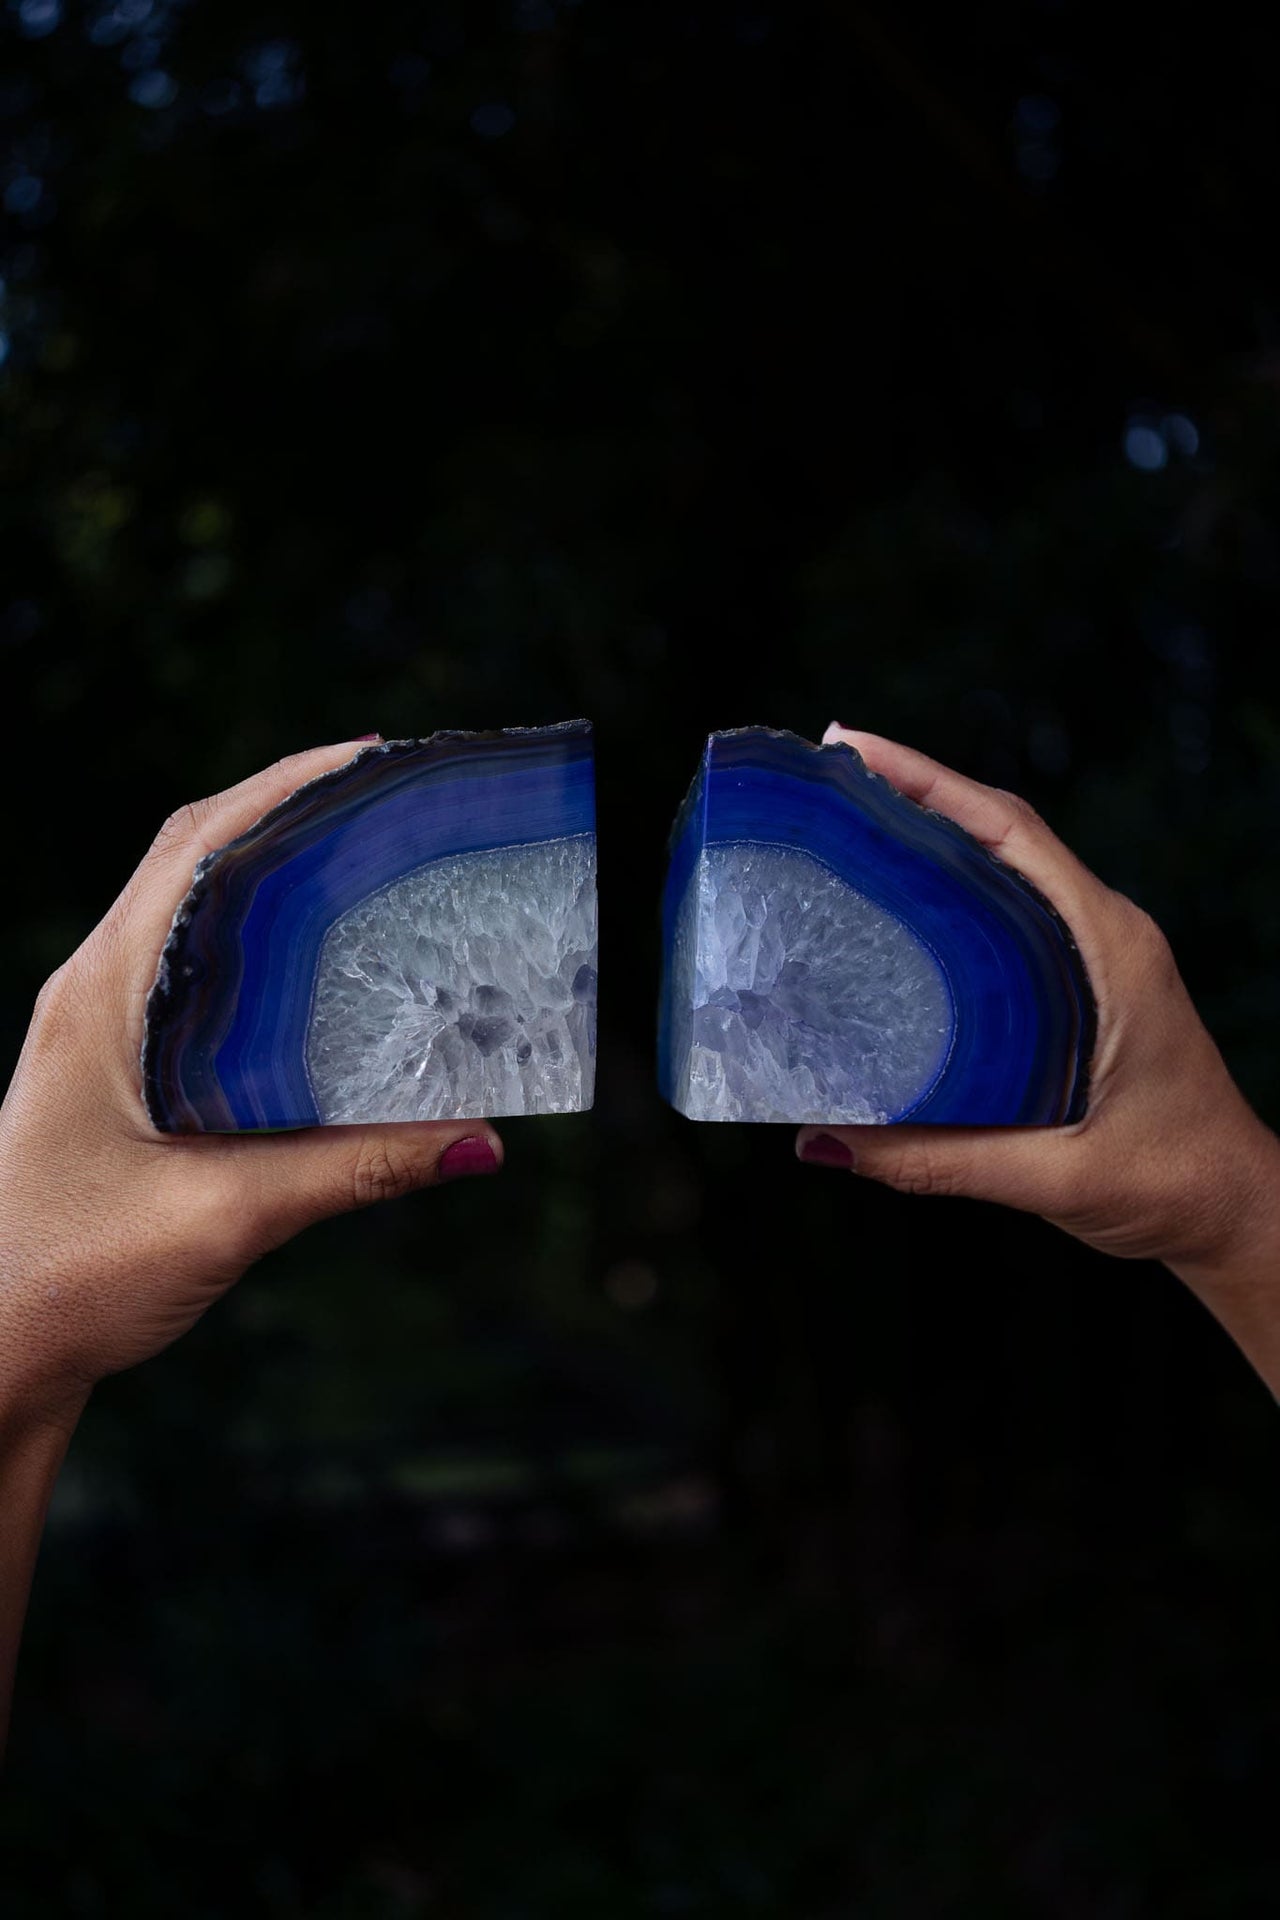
(114, 1239)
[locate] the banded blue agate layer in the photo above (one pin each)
(834, 953)
(410, 937)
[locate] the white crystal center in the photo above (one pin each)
(465, 989)
(799, 999)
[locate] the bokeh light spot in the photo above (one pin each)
(274, 73)
(39, 17)
(1181, 434)
(24, 194)
(153, 89)
(492, 120)
(108, 29)
(632, 1285)
(1144, 447)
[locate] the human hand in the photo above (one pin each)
(115, 1238)
(1169, 1162)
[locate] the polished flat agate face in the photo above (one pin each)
(834, 953)
(410, 937)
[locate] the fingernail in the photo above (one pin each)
(466, 1157)
(367, 736)
(824, 1150)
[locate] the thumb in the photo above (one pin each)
(310, 1175)
(1028, 1168)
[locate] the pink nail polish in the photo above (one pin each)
(824, 1150)
(367, 736)
(466, 1157)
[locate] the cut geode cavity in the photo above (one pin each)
(410, 937)
(466, 988)
(836, 954)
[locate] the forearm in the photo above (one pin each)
(1240, 1285)
(31, 1454)
(1246, 1302)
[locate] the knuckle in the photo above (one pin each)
(921, 1171)
(292, 768)
(236, 1225)
(59, 1005)
(183, 831)
(1063, 1182)
(1022, 809)
(1149, 946)
(927, 1181)
(381, 1172)
(1140, 928)
(55, 992)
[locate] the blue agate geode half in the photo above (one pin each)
(409, 937)
(835, 953)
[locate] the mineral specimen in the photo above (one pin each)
(835, 953)
(411, 937)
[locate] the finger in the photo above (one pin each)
(298, 1178)
(201, 826)
(1004, 824)
(1031, 1169)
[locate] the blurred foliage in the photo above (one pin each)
(675, 1530)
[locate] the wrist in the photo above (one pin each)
(35, 1431)
(1237, 1244)
(1236, 1275)
(37, 1395)
(29, 1409)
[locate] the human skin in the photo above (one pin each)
(115, 1239)
(1169, 1162)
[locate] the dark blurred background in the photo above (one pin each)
(669, 1529)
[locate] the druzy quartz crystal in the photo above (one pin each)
(410, 937)
(835, 953)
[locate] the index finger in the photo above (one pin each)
(1004, 824)
(152, 895)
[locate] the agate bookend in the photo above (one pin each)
(834, 953)
(410, 937)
